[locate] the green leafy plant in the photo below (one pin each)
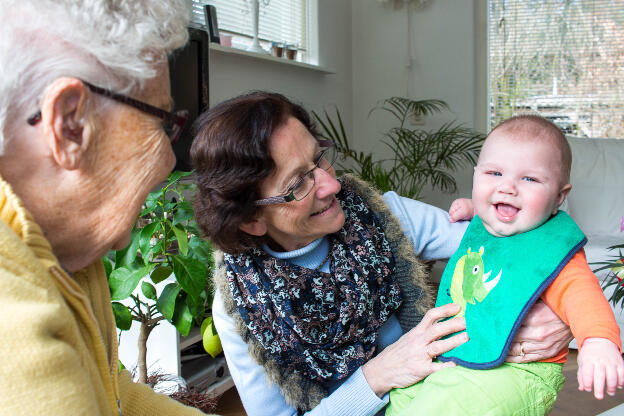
(165, 244)
(420, 157)
(615, 277)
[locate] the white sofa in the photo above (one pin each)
(596, 201)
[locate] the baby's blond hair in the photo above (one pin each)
(535, 127)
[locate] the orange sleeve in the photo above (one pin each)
(576, 296)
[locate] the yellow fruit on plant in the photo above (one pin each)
(210, 338)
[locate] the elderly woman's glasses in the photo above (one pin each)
(302, 188)
(173, 122)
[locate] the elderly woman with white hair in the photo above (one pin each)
(85, 132)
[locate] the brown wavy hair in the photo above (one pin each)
(230, 155)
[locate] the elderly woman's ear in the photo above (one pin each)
(63, 121)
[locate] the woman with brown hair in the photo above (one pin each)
(322, 300)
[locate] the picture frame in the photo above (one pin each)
(210, 15)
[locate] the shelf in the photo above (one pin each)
(220, 387)
(270, 58)
(205, 372)
(193, 337)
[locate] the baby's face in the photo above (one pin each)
(517, 184)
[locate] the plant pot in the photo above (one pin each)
(277, 50)
(225, 40)
(291, 54)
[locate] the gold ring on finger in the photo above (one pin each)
(521, 349)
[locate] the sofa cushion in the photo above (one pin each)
(596, 201)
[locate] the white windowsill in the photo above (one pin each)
(253, 55)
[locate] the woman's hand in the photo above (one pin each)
(542, 335)
(410, 358)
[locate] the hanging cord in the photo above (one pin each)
(410, 55)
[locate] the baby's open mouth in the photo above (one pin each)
(506, 211)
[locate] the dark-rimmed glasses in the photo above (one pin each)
(305, 183)
(173, 122)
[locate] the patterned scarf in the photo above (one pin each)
(321, 325)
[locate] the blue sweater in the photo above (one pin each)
(432, 236)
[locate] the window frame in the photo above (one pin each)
(483, 79)
(307, 52)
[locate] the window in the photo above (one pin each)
(282, 21)
(561, 58)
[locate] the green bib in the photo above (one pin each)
(496, 281)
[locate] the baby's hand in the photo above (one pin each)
(461, 209)
(599, 360)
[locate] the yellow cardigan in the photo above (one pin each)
(58, 344)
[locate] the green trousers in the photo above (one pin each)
(511, 389)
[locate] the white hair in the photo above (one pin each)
(117, 44)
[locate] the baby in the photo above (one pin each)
(521, 179)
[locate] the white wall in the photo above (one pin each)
(231, 75)
(443, 47)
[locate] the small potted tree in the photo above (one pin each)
(165, 246)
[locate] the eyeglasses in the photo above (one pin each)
(173, 122)
(305, 183)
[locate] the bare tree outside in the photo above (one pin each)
(561, 58)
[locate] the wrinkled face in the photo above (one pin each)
(132, 156)
(296, 224)
(517, 183)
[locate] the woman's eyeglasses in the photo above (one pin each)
(304, 185)
(173, 122)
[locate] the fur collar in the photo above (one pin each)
(411, 275)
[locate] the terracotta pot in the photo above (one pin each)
(277, 50)
(291, 54)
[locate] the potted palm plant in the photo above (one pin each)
(419, 157)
